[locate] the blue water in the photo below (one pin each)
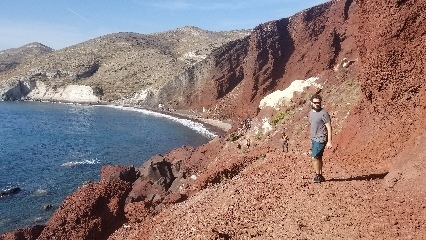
(49, 150)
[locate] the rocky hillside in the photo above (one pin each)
(366, 58)
(116, 67)
(11, 58)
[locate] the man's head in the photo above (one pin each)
(316, 101)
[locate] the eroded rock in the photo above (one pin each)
(92, 212)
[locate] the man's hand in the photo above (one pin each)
(329, 145)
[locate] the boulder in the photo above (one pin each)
(9, 191)
(146, 190)
(124, 173)
(159, 171)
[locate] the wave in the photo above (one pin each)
(196, 126)
(40, 192)
(90, 162)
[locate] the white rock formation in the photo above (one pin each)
(70, 93)
(280, 97)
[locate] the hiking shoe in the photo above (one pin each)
(317, 179)
(321, 177)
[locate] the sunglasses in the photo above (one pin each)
(316, 102)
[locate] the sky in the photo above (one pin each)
(62, 23)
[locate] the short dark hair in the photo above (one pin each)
(316, 96)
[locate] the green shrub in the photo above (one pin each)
(232, 136)
(283, 116)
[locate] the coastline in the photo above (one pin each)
(217, 129)
(214, 127)
(207, 127)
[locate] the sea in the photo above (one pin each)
(49, 150)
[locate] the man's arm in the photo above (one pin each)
(328, 126)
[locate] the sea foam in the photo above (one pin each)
(196, 126)
(74, 163)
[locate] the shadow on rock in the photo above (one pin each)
(360, 178)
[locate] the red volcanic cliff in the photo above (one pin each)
(308, 44)
(227, 189)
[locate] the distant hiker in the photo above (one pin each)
(285, 142)
(243, 125)
(242, 129)
(320, 135)
(248, 143)
(248, 123)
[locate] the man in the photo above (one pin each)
(320, 135)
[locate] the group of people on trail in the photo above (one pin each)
(320, 133)
(245, 125)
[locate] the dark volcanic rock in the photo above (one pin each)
(124, 173)
(158, 170)
(9, 191)
(156, 177)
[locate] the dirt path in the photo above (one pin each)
(274, 198)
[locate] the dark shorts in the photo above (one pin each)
(318, 149)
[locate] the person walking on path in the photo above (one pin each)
(285, 142)
(320, 135)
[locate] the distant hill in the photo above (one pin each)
(118, 66)
(11, 58)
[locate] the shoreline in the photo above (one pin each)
(214, 127)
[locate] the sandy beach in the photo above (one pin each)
(216, 126)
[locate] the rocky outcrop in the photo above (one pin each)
(124, 173)
(9, 191)
(92, 212)
(30, 233)
(38, 91)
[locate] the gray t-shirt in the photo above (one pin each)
(318, 128)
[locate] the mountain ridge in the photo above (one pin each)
(142, 59)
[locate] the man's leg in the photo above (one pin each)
(317, 152)
(317, 163)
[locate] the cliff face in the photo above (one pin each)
(368, 58)
(390, 40)
(276, 53)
